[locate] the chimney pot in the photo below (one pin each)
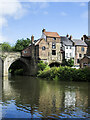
(67, 36)
(70, 37)
(32, 39)
(43, 30)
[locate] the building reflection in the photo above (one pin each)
(46, 97)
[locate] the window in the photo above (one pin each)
(53, 45)
(54, 38)
(77, 60)
(82, 49)
(70, 47)
(66, 47)
(84, 55)
(53, 52)
(25, 51)
(70, 54)
(66, 54)
(80, 55)
(43, 48)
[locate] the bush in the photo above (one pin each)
(42, 65)
(69, 62)
(65, 73)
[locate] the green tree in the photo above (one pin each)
(6, 47)
(69, 62)
(41, 65)
(21, 44)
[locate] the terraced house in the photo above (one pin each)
(80, 50)
(67, 47)
(53, 49)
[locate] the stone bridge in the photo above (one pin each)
(15, 61)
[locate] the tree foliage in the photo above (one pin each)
(21, 44)
(42, 65)
(69, 62)
(6, 47)
(65, 73)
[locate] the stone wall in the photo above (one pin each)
(78, 51)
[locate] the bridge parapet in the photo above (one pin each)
(4, 55)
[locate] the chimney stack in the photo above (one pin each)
(43, 30)
(70, 38)
(32, 39)
(67, 36)
(83, 38)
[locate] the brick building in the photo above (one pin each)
(47, 48)
(52, 48)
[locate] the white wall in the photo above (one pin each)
(69, 51)
(43, 36)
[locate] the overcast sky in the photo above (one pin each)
(23, 19)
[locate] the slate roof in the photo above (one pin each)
(51, 34)
(38, 41)
(88, 57)
(79, 42)
(66, 41)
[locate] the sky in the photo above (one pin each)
(22, 19)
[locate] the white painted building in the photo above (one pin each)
(68, 47)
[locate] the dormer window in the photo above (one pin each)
(54, 38)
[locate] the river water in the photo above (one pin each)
(30, 97)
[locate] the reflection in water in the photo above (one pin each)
(0, 97)
(29, 97)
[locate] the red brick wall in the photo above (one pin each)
(26, 52)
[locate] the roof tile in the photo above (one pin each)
(51, 34)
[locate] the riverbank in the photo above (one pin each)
(65, 73)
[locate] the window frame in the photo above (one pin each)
(82, 49)
(53, 45)
(78, 61)
(54, 51)
(70, 54)
(80, 55)
(66, 54)
(25, 51)
(43, 47)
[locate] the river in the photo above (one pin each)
(30, 97)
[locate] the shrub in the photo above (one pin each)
(69, 62)
(66, 73)
(42, 65)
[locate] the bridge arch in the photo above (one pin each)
(19, 64)
(8, 60)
